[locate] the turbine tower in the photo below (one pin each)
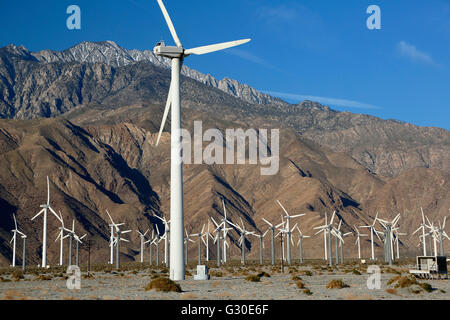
(167, 239)
(242, 238)
(422, 227)
(177, 55)
(142, 237)
(358, 240)
(14, 239)
(372, 232)
(327, 228)
(300, 243)
(44, 211)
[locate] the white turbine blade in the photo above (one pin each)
(110, 217)
(56, 215)
(37, 214)
(265, 233)
(224, 209)
(59, 235)
(214, 223)
(347, 234)
(319, 232)
(215, 47)
(298, 215)
(48, 192)
(267, 222)
(443, 225)
(166, 113)
(127, 231)
(283, 208)
(417, 230)
(126, 240)
(170, 24)
(15, 221)
(332, 217)
(279, 225)
(81, 238)
(320, 227)
(203, 229)
(340, 224)
(293, 228)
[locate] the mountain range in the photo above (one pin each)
(88, 117)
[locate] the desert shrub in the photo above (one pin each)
(216, 274)
(188, 273)
(405, 282)
(43, 277)
(392, 280)
(263, 274)
(442, 291)
(307, 273)
(356, 272)
(296, 278)
(307, 292)
(17, 275)
(391, 270)
(164, 285)
(4, 280)
(391, 291)
(426, 286)
(336, 284)
(253, 278)
(300, 284)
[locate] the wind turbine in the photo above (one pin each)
(261, 245)
(397, 234)
(200, 236)
(72, 235)
(167, 239)
(372, 232)
(441, 232)
(118, 238)
(61, 239)
(422, 227)
(358, 240)
(222, 226)
(207, 235)
(327, 228)
(155, 239)
(288, 230)
(112, 238)
(177, 55)
(186, 241)
(142, 237)
(14, 239)
(300, 243)
(272, 229)
(242, 238)
(340, 235)
(45, 208)
(388, 231)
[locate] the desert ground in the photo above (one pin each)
(310, 281)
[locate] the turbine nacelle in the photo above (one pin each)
(168, 51)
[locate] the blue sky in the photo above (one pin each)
(311, 49)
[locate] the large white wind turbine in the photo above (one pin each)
(14, 240)
(358, 240)
(200, 236)
(61, 239)
(388, 237)
(272, 229)
(72, 235)
(261, 245)
(117, 238)
(242, 238)
(177, 55)
(300, 243)
(45, 208)
(422, 227)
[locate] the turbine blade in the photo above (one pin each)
(267, 222)
(37, 214)
(215, 47)
(48, 192)
(283, 208)
(166, 113)
(170, 24)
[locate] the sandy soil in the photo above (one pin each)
(129, 285)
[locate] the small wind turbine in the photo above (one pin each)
(397, 235)
(14, 239)
(118, 238)
(358, 240)
(327, 228)
(61, 239)
(441, 233)
(207, 235)
(186, 241)
(142, 237)
(288, 230)
(72, 235)
(272, 229)
(45, 208)
(167, 239)
(372, 232)
(177, 55)
(200, 236)
(261, 245)
(242, 238)
(388, 239)
(300, 243)
(340, 235)
(422, 227)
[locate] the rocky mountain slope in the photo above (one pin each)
(104, 105)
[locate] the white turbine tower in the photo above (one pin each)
(261, 245)
(372, 232)
(14, 239)
(441, 234)
(186, 242)
(288, 230)
(142, 237)
(112, 238)
(44, 211)
(272, 229)
(397, 234)
(388, 238)
(200, 236)
(177, 55)
(72, 235)
(358, 240)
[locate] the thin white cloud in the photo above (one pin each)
(414, 54)
(324, 100)
(251, 57)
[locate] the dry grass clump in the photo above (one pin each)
(337, 284)
(253, 278)
(263, 274)
(392, 291)
(17, 275)
(391, 270)
(410, 282)
(307, 292)
(296, 278)
(217, 274)
(4, 280)
(43, 277)
(300, 284)
(307, 273)
(164, 285)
